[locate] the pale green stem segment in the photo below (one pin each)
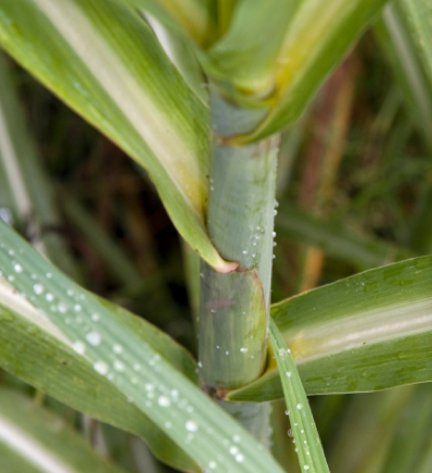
(234, 307)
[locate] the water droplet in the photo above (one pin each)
(38, 288)
(18, 268)
(79, 347)
(101, 367)
(62, 308)
(274, 234)
(95, 317)
(49, 297)
(212, 465)
(117, 349)
(288, 374)
(244, 349)
(299, 406)
(94, 338)
(244, 252)
(191, 426)
(306, 468)
(164, 401)
(6, 215)
(118, 365)
(239, 458)
(283, 352)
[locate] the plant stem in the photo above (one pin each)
(234, 307)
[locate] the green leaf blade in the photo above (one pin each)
(309, 449)
(125, 86)
(34, 439)
(246, 54)
(315, 42)
(34, 290)
(278, 53)
(364, 333)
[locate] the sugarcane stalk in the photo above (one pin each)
(234, 307)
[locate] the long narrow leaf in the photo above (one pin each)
(33, 290)
(125, 85)
(336, 239)
(247, 53)
(33, 439)
(316, 41)
(308, 444)
(301, 46)
(26, 191)
(183, 16)
(37, 356)
(364, 333)
(401, 43)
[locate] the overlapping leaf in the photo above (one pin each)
(104, 61)
(368, 332)
(309, 449)
(26, 197)
(277, 53)
(403, 34)
(191, 17)
(88, 333)
(33, 440)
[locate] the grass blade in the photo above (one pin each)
(399, 44)
(191, 16)
(367, 332)
(26, 191)
(309, 449)
(241, 55)
(33, 290)
(336, 239)
(126, 86)
(328, 33)
(34, 439)
(303, 43)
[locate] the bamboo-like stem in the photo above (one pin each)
(234, 307)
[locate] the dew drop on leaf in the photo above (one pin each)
(79, 347)
(94, 338)
(101, 367)
(191, 426)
